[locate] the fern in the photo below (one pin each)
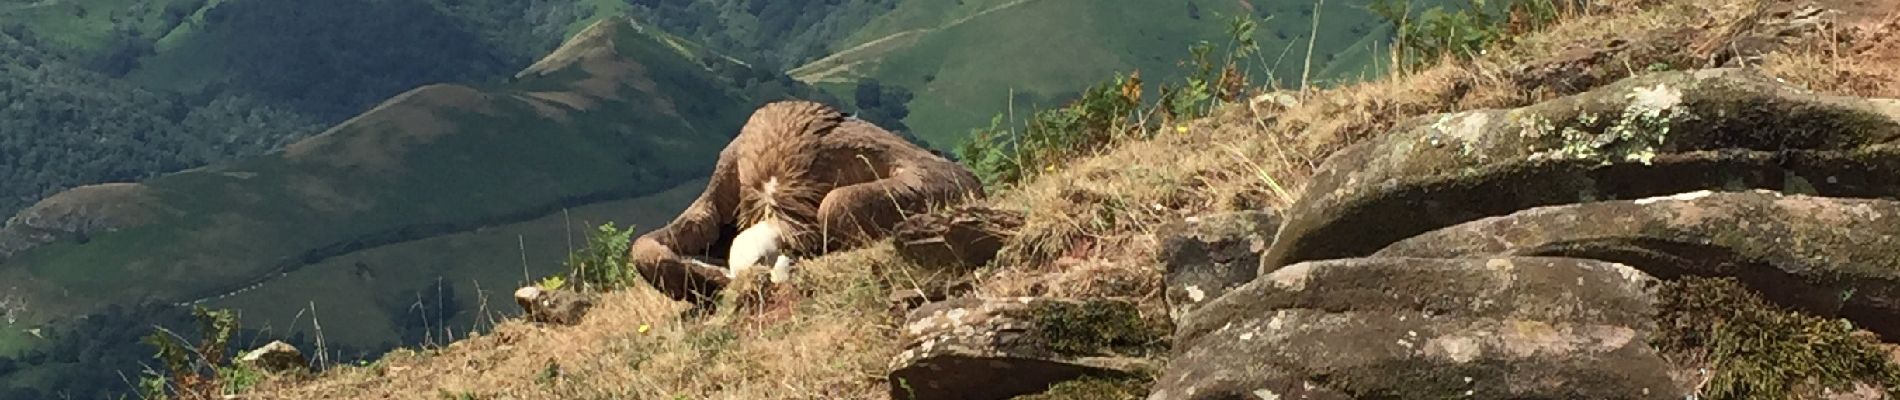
(602, 265)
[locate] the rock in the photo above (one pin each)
(1826, 256)
(972, 348)
(1646, 136)
(276, 357)
(1485, 328)
(903, 300)
(1206, 256)
(557, 306)
(960, 237)
(1577, 69)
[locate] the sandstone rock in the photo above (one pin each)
(960, 237)
(1485, 328)
(972, 348)
(1577, 69)
(1826, 256)
(1640, 137)
(276, 357)
(903, 300)
(1208, 255)
(553, 306)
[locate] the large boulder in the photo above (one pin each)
(1645, 136)
(1827, 256)
(1485, 328)
(1206, 256)
(974, 348)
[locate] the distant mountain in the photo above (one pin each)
(119, 91)
(617, 113)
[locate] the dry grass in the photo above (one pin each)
(1855, 59)
(1088, 232)
(830, 339)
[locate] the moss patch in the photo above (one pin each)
(1094, 388)
(1758, 350)
(1094, 328)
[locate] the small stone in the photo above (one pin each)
(275, 357)
(1009, 346)
(560, 306)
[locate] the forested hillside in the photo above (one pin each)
(62, 126)
(118, 91)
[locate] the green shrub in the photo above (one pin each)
(196, 372)
(1108, 112)
(1466, 32)
(602, 265)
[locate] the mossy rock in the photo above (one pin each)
(1484, 328)
(1645, 136)
(1094, 388)
(1206, 256)
(1826, 256)
(1748, 348)
(973, 348)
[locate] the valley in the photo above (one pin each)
(396, 190)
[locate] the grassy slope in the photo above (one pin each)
(438, 155)
(357, 295)
(964, 63)
(85, 26)
(834, 341)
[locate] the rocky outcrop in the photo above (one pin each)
(1798, 251)
(565, 307)
(1206, 256)
(1647, 136)
(961, 237)
(1499, 253)
(1512, 327)
(973, 348)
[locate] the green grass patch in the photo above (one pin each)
(1757, 350)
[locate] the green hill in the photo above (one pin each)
(963, 60)
(123, 90)
(616, 113)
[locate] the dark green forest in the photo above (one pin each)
(285, 70)
(63, 126)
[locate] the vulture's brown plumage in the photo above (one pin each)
(837, 182)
